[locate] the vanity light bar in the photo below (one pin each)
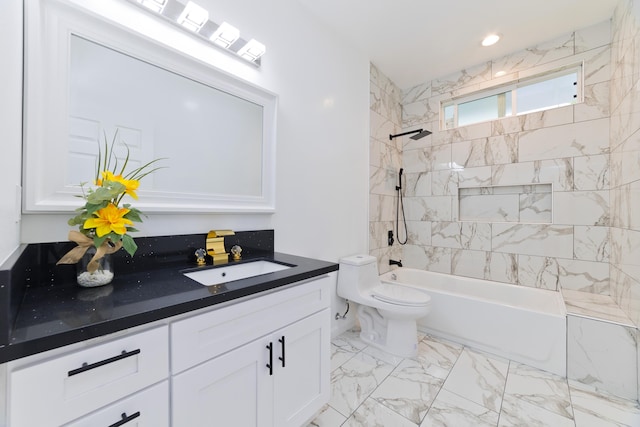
(155, 5)
(252, 50)
(196, 19)
(225, 35)
(193, 17)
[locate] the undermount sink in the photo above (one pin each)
(217, 275)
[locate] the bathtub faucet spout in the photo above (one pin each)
(394, 262)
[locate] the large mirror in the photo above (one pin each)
(87, 78)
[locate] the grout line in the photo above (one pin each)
(504, 391)
(444, 381)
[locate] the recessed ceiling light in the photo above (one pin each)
(491, 39)
(500, 73)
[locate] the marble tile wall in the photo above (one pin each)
(603, 355)
(625, 161)
(589, 153)
(510, 203)
(566, 149)
(385, 160)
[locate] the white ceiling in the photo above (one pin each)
(413, 41)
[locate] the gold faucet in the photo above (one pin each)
(215, 245)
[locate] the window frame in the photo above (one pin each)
(512, 86)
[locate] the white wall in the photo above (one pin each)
(10, 124)
(322, 137)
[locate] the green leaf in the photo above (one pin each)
(98, 241)
(126, 160)
(100, 195)
(133, 215)
(91, 208)
(129, 245)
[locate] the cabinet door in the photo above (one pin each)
(301, 380)
(229, 390)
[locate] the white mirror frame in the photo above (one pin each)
(49, 25)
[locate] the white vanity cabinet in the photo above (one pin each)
(259, 361)
(264, 362)
(64, 388)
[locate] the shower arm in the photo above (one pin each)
(420, 133)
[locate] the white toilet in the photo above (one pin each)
(387, 312)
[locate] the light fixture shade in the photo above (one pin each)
(225, 35)
(155, 5)
(193, 17)
(252, 50)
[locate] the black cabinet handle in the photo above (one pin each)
(125, 419)
(281, 341)
(87, 367)
(270, 364)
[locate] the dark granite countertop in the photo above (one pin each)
(58, 313)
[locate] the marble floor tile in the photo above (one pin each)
(339, 356)
(381, 355)
(539, 388)
(516, 413)
(355, 380)
(328, 417)
(479, 378)
(449, 385)
(449, 409)
(595, 409)
(373, 414)
(349, 341)
(408, 394)
(436, 356)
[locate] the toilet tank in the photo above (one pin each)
(357, 273)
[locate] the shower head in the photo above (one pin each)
(399, 186)
(420, 133)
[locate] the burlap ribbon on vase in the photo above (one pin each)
(84, 243)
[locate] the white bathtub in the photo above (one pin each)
(524, 324)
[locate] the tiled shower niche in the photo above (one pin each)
(531, 203)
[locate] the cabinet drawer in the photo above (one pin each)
(147, 408)
(64, 388)
(204, 336)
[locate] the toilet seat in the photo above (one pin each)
(400, 295)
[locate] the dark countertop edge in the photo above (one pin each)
(34, 346)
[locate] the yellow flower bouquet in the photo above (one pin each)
(104, 222)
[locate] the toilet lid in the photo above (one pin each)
(401, 295)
